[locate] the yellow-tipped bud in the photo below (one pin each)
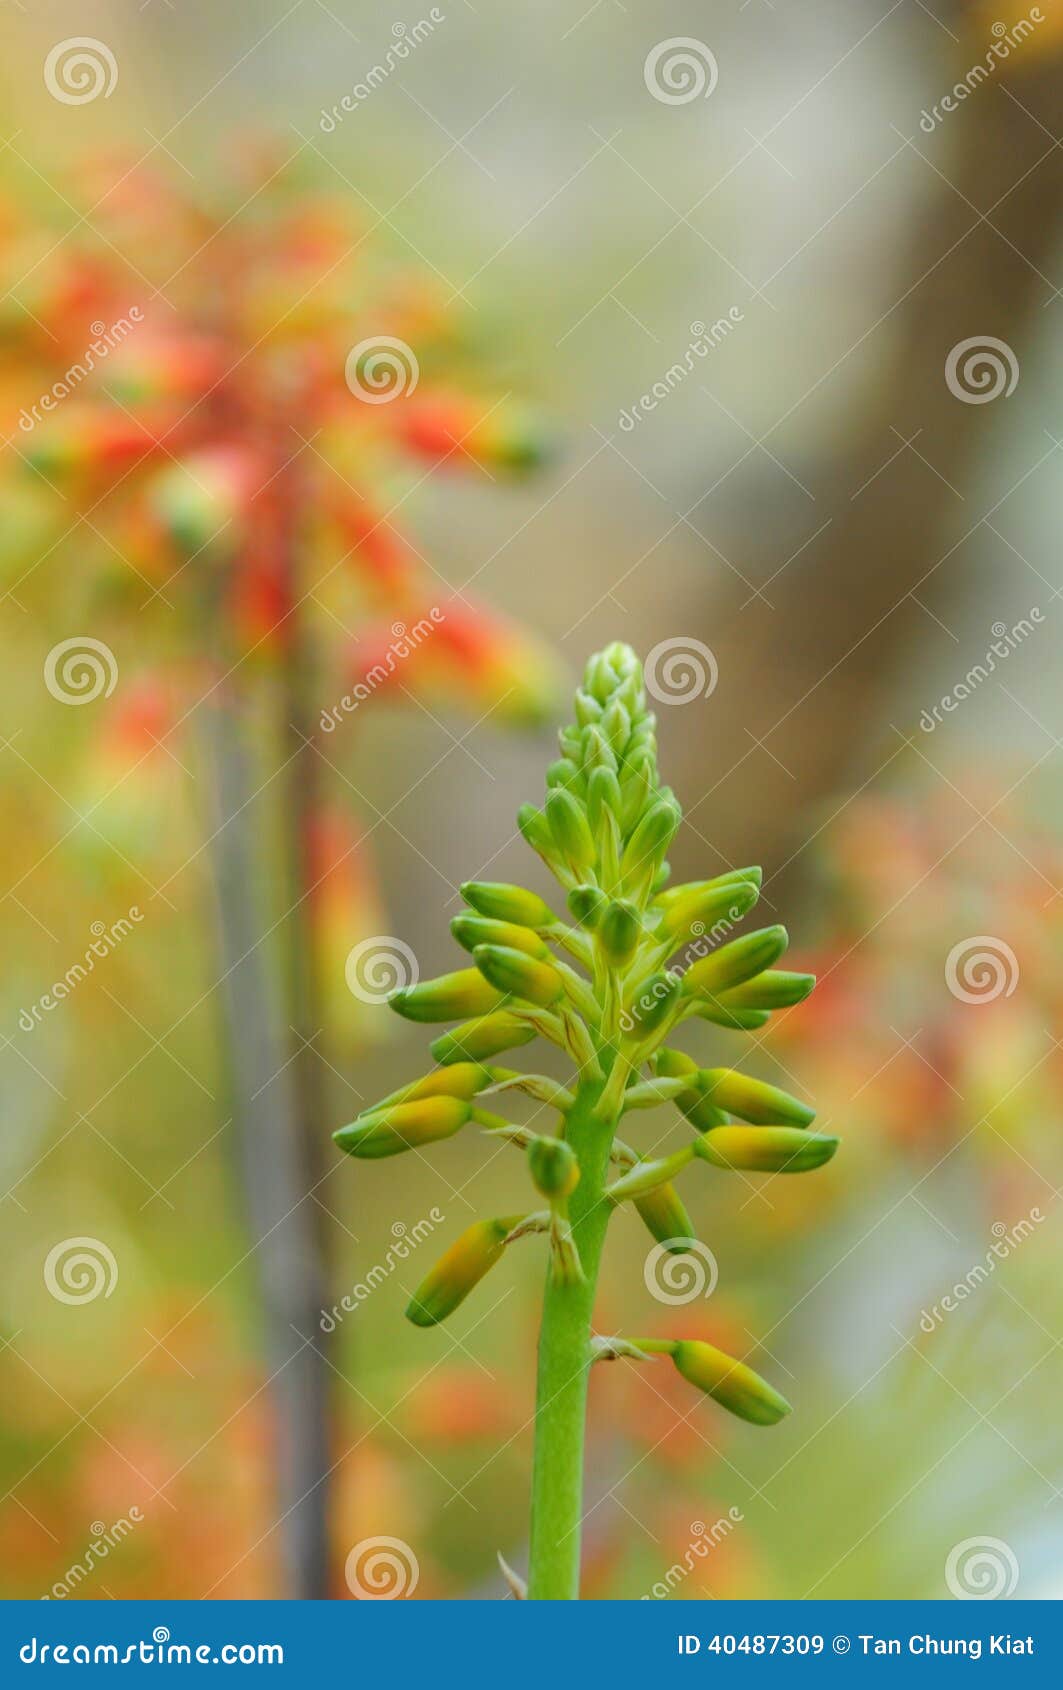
(451, 997)
(699, 1111)
(403, 1126)
(776, 988)
(554, 1167)
(730, 1383)
(460, 1079)
(690, 888)
(510, 971)
(698, 912)
(473, 930)
(767, 1150)
(502, 902)
(619, 932)
(734, 963)
(752, 1100)
(459, 1269)
(666, 1219)
(474, 1041)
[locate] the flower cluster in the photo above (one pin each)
(609, 987)
(210, 434)
(202, 393)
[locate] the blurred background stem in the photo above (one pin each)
(274, 1124)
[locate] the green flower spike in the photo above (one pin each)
(608, 983)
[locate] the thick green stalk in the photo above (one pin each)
(564, 1365)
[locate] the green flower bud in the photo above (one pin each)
(730, 1383)
(776, 988)
(767, 1150)
(736, 962)
(751, 1100)
(673, 1064)
(588, 904)
(564, 773)
(473, 930)
(448, 998)
(645, 850)
(459, 1269)
(403, 1126)
(536, 830)
(666, 1219)
(739, 1020)
(587, 709)
(489, 1035)
(616, 725)
(651, 1003)
(554, 1167)
(501, 902)
(688, 917)
(692, 887)
(460, 1079)
(603, 798)
(597, 752)
(509, 971)
(568, 825)
(619, 932)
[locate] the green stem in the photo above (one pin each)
(564, 1365)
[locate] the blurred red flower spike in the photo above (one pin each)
(497, 434)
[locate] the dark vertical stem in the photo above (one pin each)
(268, 1132)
